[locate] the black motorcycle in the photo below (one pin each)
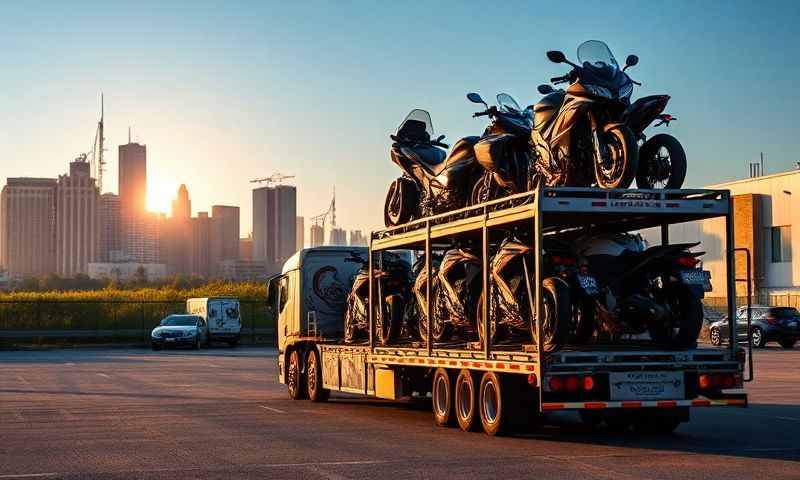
(393, 291)
(504, 149)
(512, 300)
(577, 138)
(658, 290)
(432, 182)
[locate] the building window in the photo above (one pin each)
(781, 244)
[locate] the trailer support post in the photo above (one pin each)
(371, 312)
(731, 274)
(487, 340)
(428, 289)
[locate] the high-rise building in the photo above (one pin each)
(224, 235)
(317, 235)
(182, 205)
(109, 222)
(201, 245)
(357, 239)
(28, 226)
(77, 229)
(246, 248)
(300, 240)
(142, 235)
(338, 236)
(133, 179)
(274, 224)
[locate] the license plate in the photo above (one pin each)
(646, 386)
(170, 339)
(697, 277)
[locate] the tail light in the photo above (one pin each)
(719, 381)
(556, 384)
(571, 384)
(569, 261)
(588, 383)
(688, 261)
(532, 380)
(556, 260)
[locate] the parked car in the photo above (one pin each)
(180, 330)
(767, 324)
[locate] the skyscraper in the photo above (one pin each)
(133, 179)
(109, 222)
(357, 239)
(274, 224)
(224, 235)
(300, 239)
(201, 245)
(28, 226)
(338, 236)
(77, 230)
(317, 235)
(182, 205)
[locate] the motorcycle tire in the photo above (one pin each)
(495, 332)
(655, 169)
(687, 310)
(350, 322)
(621, 145)
(401, 202)
(557, 315)
(388, 319)
(480, 192)
(584, 311)
(442, 329)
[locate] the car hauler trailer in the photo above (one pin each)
(497, 386)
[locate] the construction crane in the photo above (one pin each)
(98, 162)
(331, 211)
(275, 179)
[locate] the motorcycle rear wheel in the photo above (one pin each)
(662, 163)
(557, 315)
(687, 312)
(481, 193)
(619, 167)
(401, 202)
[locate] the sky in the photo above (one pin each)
(224, 92)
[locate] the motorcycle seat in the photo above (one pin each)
(430, 157)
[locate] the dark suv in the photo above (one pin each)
(768, 324)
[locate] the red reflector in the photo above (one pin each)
(704, 381)
(571, 384)
(688, 261)
(728, 381)
(556, 260)
(599, 204)
(588, 383)
(556, 384)
(532, 380)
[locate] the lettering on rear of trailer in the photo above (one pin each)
(634, 204)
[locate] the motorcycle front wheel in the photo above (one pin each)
(485, 189)
(662, 163)
(620, 158)
(401, 201)
(556, 315)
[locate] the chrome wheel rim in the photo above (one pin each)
(440, 399)
(756, 337)
(464, 400)
(489, 403)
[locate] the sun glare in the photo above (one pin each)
(160, 195)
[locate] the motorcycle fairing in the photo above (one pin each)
(508, 165)
(641, 113)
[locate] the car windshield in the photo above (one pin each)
(416, 126)
(507, 103)
(176, 321)
(596, 54)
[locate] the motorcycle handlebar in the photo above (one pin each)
(562, 79)
(480, 114)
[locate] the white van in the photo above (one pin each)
(221, 315)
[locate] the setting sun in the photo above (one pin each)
(160, 194)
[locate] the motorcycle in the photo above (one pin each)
(577, 139)
(393, 291)
(512, 301)
(504, 150)
(432, 182)
(658, 290)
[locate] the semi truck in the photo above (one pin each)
(622, 383)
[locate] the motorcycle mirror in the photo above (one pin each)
(440, 138)
(556, 56)
(631, 61)
(475, 98)
(544, 89)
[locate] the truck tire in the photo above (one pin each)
(295, 381)
(492, 401)
(316, 392)
(466, 401)
(442, 397)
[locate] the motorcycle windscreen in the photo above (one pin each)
(494, 154)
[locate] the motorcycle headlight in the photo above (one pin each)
(599, 91)
(626, 90)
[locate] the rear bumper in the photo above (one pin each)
(731, 400)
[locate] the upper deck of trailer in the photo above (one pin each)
(563, 208)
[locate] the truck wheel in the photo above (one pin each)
(295, 382)
(495, 418)
(466, 401)
(316, 392)
(442, 393)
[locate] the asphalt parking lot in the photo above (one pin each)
(220, 413)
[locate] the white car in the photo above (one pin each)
(180, 330)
